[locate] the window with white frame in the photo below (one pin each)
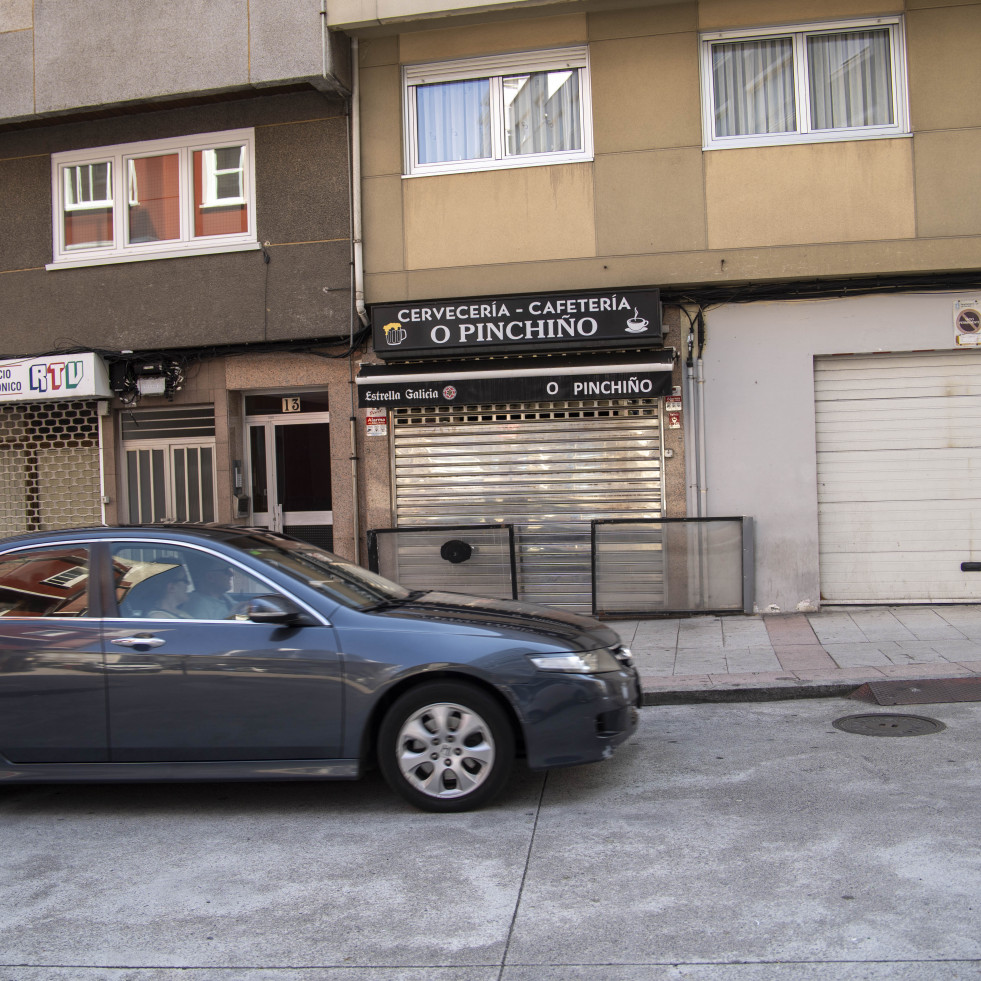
(514, 110)
(153, 200)
(805, 84)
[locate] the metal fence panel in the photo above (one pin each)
(672, 565)
(477, 559)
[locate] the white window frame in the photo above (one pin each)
(187, 244)
(496, 68)
(90, 203)
(799, 34)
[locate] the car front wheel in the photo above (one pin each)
(446, 746)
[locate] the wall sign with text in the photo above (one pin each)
(521, 322)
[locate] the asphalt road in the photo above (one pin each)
(726, 842)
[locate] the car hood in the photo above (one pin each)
(506, 618)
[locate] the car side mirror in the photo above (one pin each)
(275, 609)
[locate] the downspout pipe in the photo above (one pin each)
(357, 271)
(357, 226)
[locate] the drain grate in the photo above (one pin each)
(885, 724)
(922, 692)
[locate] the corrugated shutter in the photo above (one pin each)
(547, 470)
(899, 476)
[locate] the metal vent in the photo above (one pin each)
(508, 412)
(49, 466)
(186, 422)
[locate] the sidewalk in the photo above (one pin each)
(713, 658)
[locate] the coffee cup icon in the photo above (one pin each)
(394, 334)
(637, 324)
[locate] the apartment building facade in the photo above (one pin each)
(175, 270)
(620, 261)
(793, 183)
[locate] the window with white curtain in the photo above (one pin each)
(804, 84)
(506, 111)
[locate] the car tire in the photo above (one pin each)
(446, 746)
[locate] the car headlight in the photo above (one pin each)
(585, 662)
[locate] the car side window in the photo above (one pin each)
(171, 582)
(45, 582)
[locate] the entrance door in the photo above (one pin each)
(289, 465)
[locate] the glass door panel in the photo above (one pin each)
(289, 467)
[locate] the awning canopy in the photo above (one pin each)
(541, 379)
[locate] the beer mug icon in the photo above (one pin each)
(394, 334)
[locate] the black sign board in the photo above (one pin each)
(517, 323)
(528, 380)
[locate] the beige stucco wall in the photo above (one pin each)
(654, 207)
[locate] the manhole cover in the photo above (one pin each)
(883, 724)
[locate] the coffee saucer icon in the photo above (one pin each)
(636, 324)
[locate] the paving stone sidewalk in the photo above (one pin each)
(723, 657)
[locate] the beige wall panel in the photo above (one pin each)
(731, 266)
(383, 238)
(375, 51)
(948, 199)
(717, 15)
(381, 121)
(822, 192)
(918, 4)
(531, 213)
(16, 15)
(466, 42)
(649, 202)
(655, 19)
(384, 287)
(645, 93)
(944, 67)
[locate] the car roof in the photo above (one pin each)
(187, 532)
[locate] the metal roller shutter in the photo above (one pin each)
(898, 462)
(547, 470)
(50, 466)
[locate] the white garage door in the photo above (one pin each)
(899, 476)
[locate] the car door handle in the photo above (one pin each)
(140, 641)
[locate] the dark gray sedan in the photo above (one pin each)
(226, 653)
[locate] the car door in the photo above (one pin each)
(208, 689)
(52, 685)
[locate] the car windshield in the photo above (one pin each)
(327, 573)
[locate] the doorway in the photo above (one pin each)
(289, 465)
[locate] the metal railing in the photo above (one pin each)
(650, 567)
(639, 567)
(477, 559)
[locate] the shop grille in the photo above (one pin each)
(49, 466)
(546, 469)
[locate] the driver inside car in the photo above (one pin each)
(210, 599)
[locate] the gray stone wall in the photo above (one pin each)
(303, 221)
(63, 56)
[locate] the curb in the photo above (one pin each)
(763, 693)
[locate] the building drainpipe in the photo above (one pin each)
(358, 271)
(702, 476)
(356, 215)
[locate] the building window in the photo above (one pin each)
(487, 113)
(803, 85)
(154, 200)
